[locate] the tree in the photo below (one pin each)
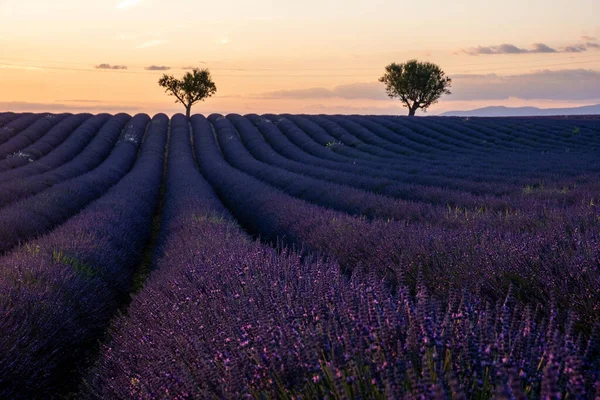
(417, 84)
(194, 87)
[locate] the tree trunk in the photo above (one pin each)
(188, 110)
(411, 111)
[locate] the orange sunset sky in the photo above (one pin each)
(311, 56)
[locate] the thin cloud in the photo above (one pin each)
(81, 101)
(572, 84)
(542, 48)
(353, 91)
(108, 66)
(128, 4)
(574, 49)
(363, 110)
(193, 67)
(21, 67)
(157, 68)
(151, 43)
(537, 48)
(24, 106)
(588, 38)
(506, 48)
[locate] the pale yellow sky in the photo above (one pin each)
(310, 56)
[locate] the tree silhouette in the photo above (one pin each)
(417, 84)
(192, 88)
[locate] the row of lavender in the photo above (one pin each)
(420, 176)
(486, 250)
(58, 291)
(227, 317)
(416, 240)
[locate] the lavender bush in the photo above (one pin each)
(225, 317)
(58, 292)
(60, 166)
(40, 213)
(56, 135)
(299, 256)
(15, 126)
(31, 134)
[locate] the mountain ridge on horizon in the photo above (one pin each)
(503, 111)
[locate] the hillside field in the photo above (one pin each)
(299, 256)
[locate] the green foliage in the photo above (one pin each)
(417, 84)
(333, 144)
(80, 266)
(195, 86)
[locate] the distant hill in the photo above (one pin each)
(501, 111)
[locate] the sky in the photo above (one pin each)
(313, 56)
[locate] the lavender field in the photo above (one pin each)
(299, 257)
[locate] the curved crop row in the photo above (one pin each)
(58, 292)
(279, 136)
(15, 126)
(223, 317)
(31, 134)
(55, 136)
(434, 172)
(89, 158)
(7, 117)
(40, 213)
(414, 187)
(326, 194)
(67, 150)
(390, 182)
(495, 166)
(488, 257)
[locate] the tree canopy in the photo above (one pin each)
(195, 86)
(417, 84)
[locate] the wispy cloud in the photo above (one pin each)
(571, 84)
(588, 38)
(542, 48)
(506, 48)
(537, 48)
(353, 91)
(578, 48)
(21, 67)
(108, 66)
(151, 43)
(563, 85)
(81, 101)
(128, 3)
(348, 109)
(157, 68)
(23, 106)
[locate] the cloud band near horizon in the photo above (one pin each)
(108, 66)
(572, 84)
(157, 68)
(538, 48)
